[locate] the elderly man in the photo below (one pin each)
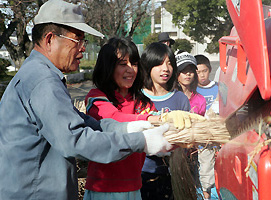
(41, 132)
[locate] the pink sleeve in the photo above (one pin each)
(99, 107)
(198, 104)
(102, 109)
(202, 107)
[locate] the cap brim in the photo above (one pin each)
(85, 28)
(184, 65)
(171, 41)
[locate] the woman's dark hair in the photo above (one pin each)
(40, 30)
(154, 55)
(194, 84)
(105, 66)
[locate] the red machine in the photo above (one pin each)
(244, 100)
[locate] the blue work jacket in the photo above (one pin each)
(41, 133)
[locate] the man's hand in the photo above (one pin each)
(155, 141)
(138, 126)
(181, 119)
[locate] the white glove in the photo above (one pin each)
(155, 141)
(181, 119)
(137, 126)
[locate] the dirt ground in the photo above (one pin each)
(78, 91)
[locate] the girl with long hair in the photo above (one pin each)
(160, 72)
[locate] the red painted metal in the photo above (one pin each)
(233, 93)
(230, 164)
(264, 174)
(247, 17)
(245, 78)
(241, 56)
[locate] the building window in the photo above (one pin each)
(172, 34)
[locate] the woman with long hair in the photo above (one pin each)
(118, 95)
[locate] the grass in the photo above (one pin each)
(11, 73)
(87, 64)
(84, 64)
(6, 77)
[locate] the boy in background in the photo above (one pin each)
(206, 87)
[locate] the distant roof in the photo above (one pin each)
(3, 48)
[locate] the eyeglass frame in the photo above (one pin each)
(83, 44)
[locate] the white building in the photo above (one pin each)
(5, 54)
(176, 32)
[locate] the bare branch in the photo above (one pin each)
(112, 17)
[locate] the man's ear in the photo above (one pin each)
(48, 39)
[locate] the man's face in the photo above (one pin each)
(203, 74)
(166, 42)
(67, 53)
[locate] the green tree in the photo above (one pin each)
(202, 18)
(182, 44)
(153, 37)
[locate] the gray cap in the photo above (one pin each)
(184, 59)
(61, 12)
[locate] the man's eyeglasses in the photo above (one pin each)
(81, 43)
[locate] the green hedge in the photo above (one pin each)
(87, 64)
(182, 44)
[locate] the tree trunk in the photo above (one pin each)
(20, 51)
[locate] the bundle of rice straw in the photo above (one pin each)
(210, 131)
(80, 105)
